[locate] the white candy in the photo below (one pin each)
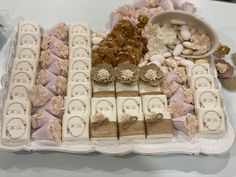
(179, 58)
(156, 63)
(167, 54)
(143, 63)
(96, 40)
(178, 50)
(177, 22)
(159, 58)
(187, 44)
(187, 51)
(165, 70)
(185, 33)
(193, 30)
(186, 62)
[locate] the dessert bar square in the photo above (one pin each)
(103, 119)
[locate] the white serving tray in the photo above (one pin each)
(180, 143)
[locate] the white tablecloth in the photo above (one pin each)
(96, 12)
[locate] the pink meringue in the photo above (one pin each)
(39, 95)
(44, 77)
(55, 106)
(40, 118)
(50, 131)
(180, 108)
(168, 87)
(188, 7)
(187, 124)
(183, 94)
(47, 58)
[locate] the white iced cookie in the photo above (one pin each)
(28, 27)
(80, 52)
(198, 69)
(78, 76)
(16, 129)
(17, 107)
(79, 106)
(79, 40)
(202, 82)
(81, 90)
(18, 91)
(211, 121)
(75, 127)
(82, 29)
(28, 39)
(29, 65)
(27, 52)
(80, 64)
(207, 98)
(21, 77)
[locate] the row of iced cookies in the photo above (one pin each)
(208, 104)
(77, 103)
(17, 108)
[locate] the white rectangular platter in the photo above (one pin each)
(180, 143)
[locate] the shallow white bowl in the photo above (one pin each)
(198, 23)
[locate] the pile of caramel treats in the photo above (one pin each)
(123, 44)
